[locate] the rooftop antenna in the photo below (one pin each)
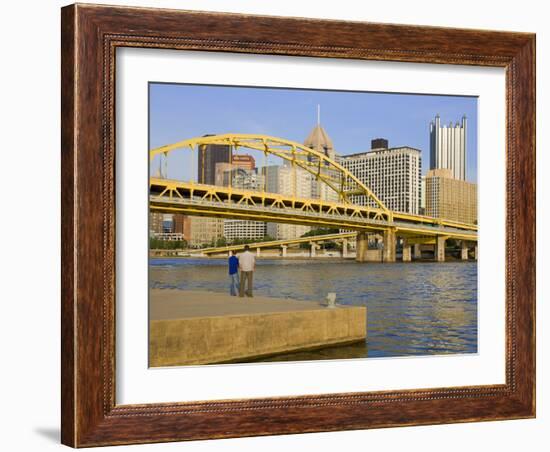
(318, 114)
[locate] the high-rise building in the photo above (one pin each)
(422, 195)
(182, 225)
(319, 141)
(287, 180)
(246, 179)
(220, 174)
(209, 156)
(238, 161)
(392, 174)
(204, 231)
(448, 147)
(244, 161)
(155, 223)
(227, 175)
(156, 219)
(243, 229)
(165, 226)
(450, 198)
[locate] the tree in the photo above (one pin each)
(321, 231)
(158, 244)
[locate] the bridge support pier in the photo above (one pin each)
(283, 250)
(464, 251)
(258, 252)
(440, 249)
(406, 251)
(388, 253)
(475, 252)
(313, 250)
(361, 247)
(344, 248)
(417, 252)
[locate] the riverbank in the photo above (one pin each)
(200, 327)
(450, 256)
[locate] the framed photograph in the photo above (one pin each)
(281, 225)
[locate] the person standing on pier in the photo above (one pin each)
(247, 265)
(233, 263)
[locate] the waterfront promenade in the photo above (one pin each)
(200, 327)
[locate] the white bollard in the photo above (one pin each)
(331, 300)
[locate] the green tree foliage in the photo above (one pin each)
(157, 244)
(321, 231)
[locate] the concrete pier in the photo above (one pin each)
(388, 254)
(406, 251)
(192, 327)
(361, 247)
(417, 252)
(440, 249)
(313, 249)
(464, 251)
(344, 248)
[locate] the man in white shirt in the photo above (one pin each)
(247, 265)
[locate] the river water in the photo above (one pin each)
(423, 308)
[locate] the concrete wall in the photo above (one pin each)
(204, 340)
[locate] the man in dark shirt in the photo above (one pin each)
(233, 274)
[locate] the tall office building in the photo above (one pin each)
(155, 223)
(450, 198)
(225, 171)
(244, 161)
(220, 174)
(156, 219)
(392, 174)
(319, 140)
(244, 229)
(204, 230)
(245, 179)
(166, 226)
(215, 161)
(448, 147)
(423, 195)
(286, 180)
(209, 156)
(182, 225)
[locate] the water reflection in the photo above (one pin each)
(413, 309)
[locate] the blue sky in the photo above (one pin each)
(352, 119)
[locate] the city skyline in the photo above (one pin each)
(351, 119)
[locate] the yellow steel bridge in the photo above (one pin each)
(277, 243)
(191, 198)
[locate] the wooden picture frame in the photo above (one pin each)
(90, 36)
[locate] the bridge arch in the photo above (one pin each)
(323, 168)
